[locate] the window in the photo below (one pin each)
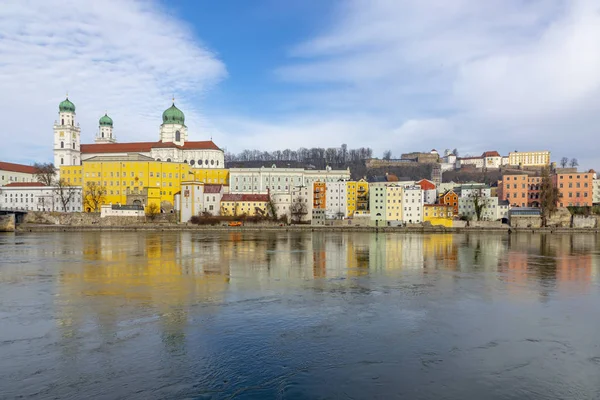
(73, 145)
(62, 145)
(177, 136)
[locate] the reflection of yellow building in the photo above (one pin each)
(438, 214)
(136, 177)
(357, 196)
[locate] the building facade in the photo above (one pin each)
(10, 172)
(576, 188)
(413, 204)
(438, 214)
(529, 158)
(237, 205)
(336, 194)
(35, 196)
(450, 198)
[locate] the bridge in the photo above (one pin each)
(19, 214)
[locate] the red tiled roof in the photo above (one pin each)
(25, 184)
(245, 197)
(144, 147)
(26, 169)
(426, 184)
(491, 154)
(212, 188)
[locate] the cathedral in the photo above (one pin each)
(172, 146)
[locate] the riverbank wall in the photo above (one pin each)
(7, 223)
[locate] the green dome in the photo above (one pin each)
(106, 121)
(173, 115)
(66, 106)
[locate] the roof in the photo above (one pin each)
(426, 184)
(470, 158)
(491, 154)
(25, 184)
(145, 146)
(245, 197)
(128, 157)
(26, 169)
(212, 188)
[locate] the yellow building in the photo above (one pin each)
(529, 158)
(212, 175)
(438, 214)
(393, 207)
(357, 196)
(235, 205)
(132, 179)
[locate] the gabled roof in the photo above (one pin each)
(426, 184)
(145, 147)
(26, 169)
(25, 184)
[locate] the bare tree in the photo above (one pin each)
(549, 196)
(93, 196)
(564, 162)
(45, 173)
(574, 163)
(387, 155)
(152, 211)
(455, 152)
(298, 209)
(479, 203)
(65, 193)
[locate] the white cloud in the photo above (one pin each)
(477, 75)
(126, 57)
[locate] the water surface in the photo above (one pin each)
(144, 315)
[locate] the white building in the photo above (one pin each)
(474, 189)
(413, 204)
(377, 202)
(35, 196)
(336, 200)
(301, 208)
(10, 172)
(117, 210)
(476, 162)
(596, 191)
(173, 144)
(279, 180)
(492, 160)
(493, 208)
(198, 198)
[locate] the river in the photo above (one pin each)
(205, 315)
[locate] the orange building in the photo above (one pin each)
(575, 187)
(450, 198)
(319, 195)
(514, 189)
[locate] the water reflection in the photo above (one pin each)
(212, 310)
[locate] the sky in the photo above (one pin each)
(404, 75)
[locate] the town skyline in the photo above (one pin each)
(333, 74)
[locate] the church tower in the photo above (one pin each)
(105, 133)
(67, 136)
(173, 129)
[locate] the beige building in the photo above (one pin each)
(529, 158)
(10, 173)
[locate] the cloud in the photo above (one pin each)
(477, 75)
(124, 57)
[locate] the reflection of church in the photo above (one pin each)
(173, 144)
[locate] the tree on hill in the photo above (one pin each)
(387, 155)
(45, 173)
(564, 162)
(574, 163)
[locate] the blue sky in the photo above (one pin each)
(405, 75)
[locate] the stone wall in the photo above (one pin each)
(7, 223)
(585, 221)
(526, 222)
(561, 218)
(459, 223)
(485, 224)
